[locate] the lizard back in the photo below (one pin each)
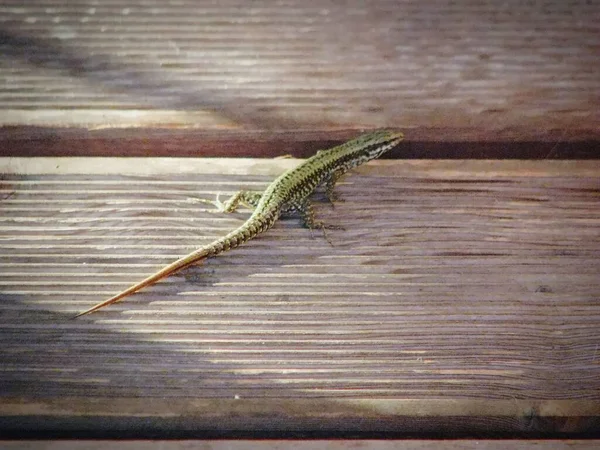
(299, 183)
(290, 191)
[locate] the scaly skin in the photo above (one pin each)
(289, 192)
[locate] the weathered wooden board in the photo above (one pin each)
(312, 445)
(135, 142)
(460, 297)
(477, 71)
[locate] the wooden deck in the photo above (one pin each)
(461, 299)
(479, 444)
(467, 71)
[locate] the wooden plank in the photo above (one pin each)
(459, 300)
(309, 445)
(498, 70)
(270, 168)
(420, 143)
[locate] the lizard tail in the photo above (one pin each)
(185, 261)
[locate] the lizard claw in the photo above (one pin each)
(323, 227)
(218, 203)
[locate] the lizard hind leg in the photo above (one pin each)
(246, 198)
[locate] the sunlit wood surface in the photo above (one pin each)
(460, 297)
(450, 71)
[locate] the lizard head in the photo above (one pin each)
(373, 145)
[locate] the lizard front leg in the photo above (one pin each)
(307, 216)
(330, 184)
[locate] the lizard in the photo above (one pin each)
(289, 192)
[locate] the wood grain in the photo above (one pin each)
(420, 143)
(313, 445)
(449, 70)
(453, 291)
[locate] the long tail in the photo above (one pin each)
(195, 256)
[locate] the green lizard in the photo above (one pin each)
(289, 192)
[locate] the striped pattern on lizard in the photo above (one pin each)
(289, 192)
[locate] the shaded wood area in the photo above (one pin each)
(460, 299)
(419, 144)
(446, 72)
(316, 444)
